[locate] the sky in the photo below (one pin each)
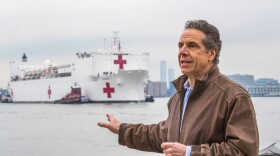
(57, 29)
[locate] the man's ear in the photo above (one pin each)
(211, 54)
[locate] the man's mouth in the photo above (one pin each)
(186, 62)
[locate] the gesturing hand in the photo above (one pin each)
(113, 124)
(173, 149)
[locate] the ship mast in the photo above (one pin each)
(116, 44)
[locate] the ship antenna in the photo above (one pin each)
(116, 41)
(119, 45)
(105, 48)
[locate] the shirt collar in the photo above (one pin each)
(187, 85)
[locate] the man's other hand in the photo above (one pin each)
(173, 149)
(113, 124)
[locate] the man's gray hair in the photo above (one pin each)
(212, 39)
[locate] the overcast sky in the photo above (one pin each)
(57, 29)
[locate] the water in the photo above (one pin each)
(55, 129)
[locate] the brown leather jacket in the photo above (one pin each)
(219, 120)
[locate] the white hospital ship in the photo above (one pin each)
(112, 76)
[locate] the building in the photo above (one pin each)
(264, 91)
(170, 74)
(243, 80)
(163, 71)
(150, 88)
(171, 88)
(157, 89)
(3, 92)
(264, 87)
(266, 81)
(163, 89)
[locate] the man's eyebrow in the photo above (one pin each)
(192, 42)
(186, 42)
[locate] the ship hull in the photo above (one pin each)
(125, 86)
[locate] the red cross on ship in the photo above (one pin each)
(120, 61)
(108, 90)
(49, 92)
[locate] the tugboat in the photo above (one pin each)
(75, 96)
(149, 98)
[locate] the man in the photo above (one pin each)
(209, 114)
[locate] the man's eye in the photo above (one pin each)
(180, 45)
(192, 45)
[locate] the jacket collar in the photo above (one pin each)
(212, 74)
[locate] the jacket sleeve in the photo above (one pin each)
(241, 133)
(144, 137)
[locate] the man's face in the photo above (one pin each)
(193, 58)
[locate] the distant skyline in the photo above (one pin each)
(163, 71)
(57, 29)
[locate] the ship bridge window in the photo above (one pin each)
(64, 74)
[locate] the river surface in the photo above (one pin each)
(71, 130)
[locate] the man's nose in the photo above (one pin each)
(184, 50)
